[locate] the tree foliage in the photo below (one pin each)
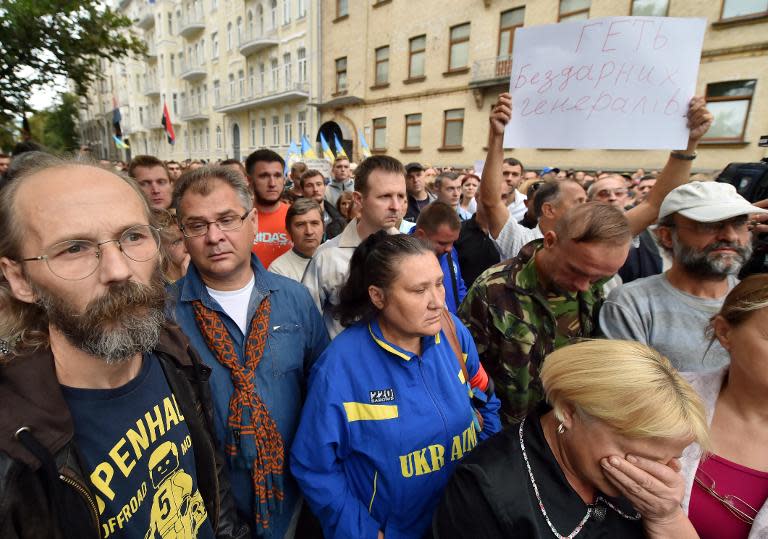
(42, 40)
(56, 128)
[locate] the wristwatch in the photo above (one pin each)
(683, 156)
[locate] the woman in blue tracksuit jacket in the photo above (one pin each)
(388, 414)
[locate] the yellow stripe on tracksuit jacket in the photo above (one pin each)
(382, 430)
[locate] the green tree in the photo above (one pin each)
(44, 40)
(56, 127)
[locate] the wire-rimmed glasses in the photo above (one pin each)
(738, 507)
(74, 260)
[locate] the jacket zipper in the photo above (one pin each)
(83, 491)
(431, 396)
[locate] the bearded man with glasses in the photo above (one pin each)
(259, 333)
(105, 411)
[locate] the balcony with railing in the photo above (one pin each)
(145, 16)
(151, 51)
(253, 40)
(150, 122)
(151, 87)
(192, 22)
(192, 70)
(251, 98)
(191, 111)
(491, 71)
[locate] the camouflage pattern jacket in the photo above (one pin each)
(516, 322)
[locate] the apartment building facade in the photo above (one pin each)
(418, 79)
(235, 75)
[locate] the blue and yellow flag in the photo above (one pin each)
(339, 148)
(364, 149)
(327, 153)
(292, 157)
(307, 151)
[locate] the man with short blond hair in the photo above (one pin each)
(153, 178)
(341, 180)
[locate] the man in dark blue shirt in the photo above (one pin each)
(106, 430)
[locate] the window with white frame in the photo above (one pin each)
(286, 11)
(216, 93)
(215, 45)
(263, 131)
(276, 130)
(302, 61)
(275, 74)
(273, 13)
(287, 69)
(218, 137)
(231, 86)
(288, 127)
(253, 131)
(229, 36)
(301, 122)
(262, 75)
(241, 83)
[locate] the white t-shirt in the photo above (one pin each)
(235, 303)
(518, 208)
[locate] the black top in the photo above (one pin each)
(642, 261)
(477, 251)
(490, 494)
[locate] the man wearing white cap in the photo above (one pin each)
(705, 227)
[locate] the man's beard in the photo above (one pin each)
(706, 265)
(126, 320)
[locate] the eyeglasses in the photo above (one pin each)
(74, 260)
(605, 193)
(738, 223)
(738, 507)
(226, 223)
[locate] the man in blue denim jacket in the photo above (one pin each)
(260, 333)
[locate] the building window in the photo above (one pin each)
(207, 139)
(170, 24)
(275, 74)
(302, 56)
(275, 130)
(214, 4)
(262, 74)
(229, 36)
(511, 20)
(218, 137)
(215, 45)
(173, 64)
(379, 133)
(273, 13)
(729, 102)
(286, 11)
(175, 101)
(342, 8)
(302, 123)
(416, 53)
(341, 75)
(743, 8)
(205, 95)
(263, 131)
(458, 55)
(288, 128)
(231, 86)
(253, 132)
(650, 8)
(302, 5)
(574, 10)
(453, 128)
(239, 30)
(216, 93)
(241, 83)
(287, 70)
(382, 65)
(251, 81)
(413, 131)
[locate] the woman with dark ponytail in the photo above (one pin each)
(394, 402)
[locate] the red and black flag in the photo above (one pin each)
(167, 125)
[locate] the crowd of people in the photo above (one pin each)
(245, 349)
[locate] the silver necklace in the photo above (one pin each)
(600, 512)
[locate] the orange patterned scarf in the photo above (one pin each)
(253, 441)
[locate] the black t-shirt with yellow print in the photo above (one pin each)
(138, 458)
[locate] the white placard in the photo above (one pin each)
(319, 164)
(614, 83)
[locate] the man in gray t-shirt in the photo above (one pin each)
(704, 225)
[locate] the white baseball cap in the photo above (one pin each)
(707, 202)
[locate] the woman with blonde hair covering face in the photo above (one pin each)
(726, 492)
(599, 459)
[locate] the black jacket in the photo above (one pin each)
(43, 492)
(337, 222)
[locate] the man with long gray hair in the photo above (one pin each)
(106, 417)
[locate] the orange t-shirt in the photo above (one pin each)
(271, 238)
